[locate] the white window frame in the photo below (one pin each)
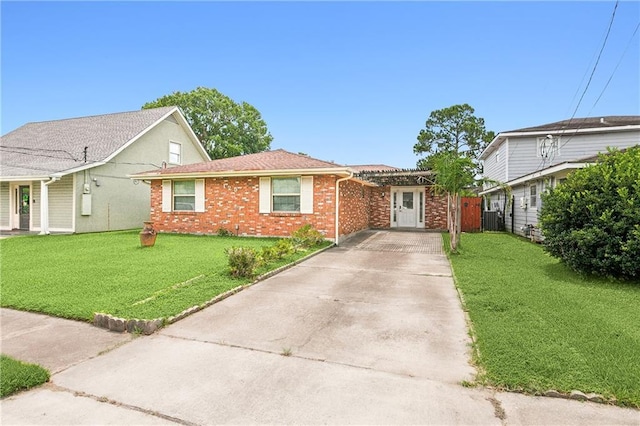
(175, 157)
(190, 195)
(533, 195)
(168, 196)
(291, 195)
(266, 195)
(548, 147)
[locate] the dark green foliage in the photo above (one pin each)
(454, 129)
(243, 261)
(225, 128)
(592, 221)
(307, 236)
(224, 232)
(17, 375)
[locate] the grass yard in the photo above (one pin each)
(17, 375)
(73, 276)
(540, 326)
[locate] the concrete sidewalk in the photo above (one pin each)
(371, 332)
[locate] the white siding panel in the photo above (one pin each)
(61, 204)
(5, 205)
(199, 195)
(166, 196)
(35, 204)
(523, 158)
(265, 195)
(306, 195)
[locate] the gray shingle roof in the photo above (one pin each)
(48, 147)
(584, 123)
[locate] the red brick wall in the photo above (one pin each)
(235, 201)
(354, 207)
(435, 210)
(380, 216)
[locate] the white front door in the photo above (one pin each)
(407, 207)
(406, 210)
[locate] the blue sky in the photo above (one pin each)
(351, 82)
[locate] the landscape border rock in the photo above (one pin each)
(147, 327)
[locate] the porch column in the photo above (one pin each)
(44, 207)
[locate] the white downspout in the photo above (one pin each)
(338, 204)
(44, 205)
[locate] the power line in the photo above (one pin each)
(604, 43)
(616, 68)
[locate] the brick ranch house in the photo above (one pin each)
(273, 193)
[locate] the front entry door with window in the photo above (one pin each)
(407, 207)
(406, 210)
(23, 206)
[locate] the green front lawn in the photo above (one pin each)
(540, 326)
(74, 276)
(17, 375)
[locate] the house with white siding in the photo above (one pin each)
(72, 175)
(519, 165)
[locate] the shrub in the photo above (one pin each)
(224, 232)
(284, 247)
(307, 236)
(243, 261)
(592, 221)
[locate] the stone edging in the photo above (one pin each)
(148, 327)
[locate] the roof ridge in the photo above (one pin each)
(96, 115)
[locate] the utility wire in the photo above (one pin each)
(616, 68)
(595, 66)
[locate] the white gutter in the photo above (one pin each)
(44, 204)
(338, 204)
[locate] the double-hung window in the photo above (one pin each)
(183, 195)
(533, 193)
(175, 153)
(286, 194)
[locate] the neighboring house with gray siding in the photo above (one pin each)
(530, 160)
(72, 175)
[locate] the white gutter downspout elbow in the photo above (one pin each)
(44, 204)
(338, 204)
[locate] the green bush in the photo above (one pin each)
(307, 236)
(279, 250)
(592, 221)
(243, 261)
(224, 232)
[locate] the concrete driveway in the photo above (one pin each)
(371, 332)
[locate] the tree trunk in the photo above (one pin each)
(454, 221)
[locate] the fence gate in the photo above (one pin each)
(470, 214)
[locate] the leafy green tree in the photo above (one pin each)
(224, 127)
(453, 173)
(592, 220)
(452, 129)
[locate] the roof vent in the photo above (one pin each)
(602, 121)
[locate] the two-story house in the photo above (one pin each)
(519, 165)
(72, 175)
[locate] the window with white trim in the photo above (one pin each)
(184, 195)
(285, 193)
(175, 153)
(290, 194)
(533, 195)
